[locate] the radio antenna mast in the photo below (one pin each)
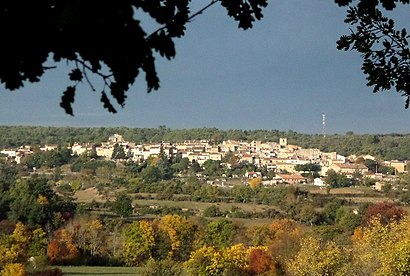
(324, 125)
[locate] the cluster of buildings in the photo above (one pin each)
(281, 157)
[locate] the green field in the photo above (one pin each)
(99, 270)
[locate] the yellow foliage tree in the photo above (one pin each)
(42, 200)
(181, 233)
(9, 251)
(255, 182)
(318, 259)
(201, 262)
(21, 234)
(13, 269)
(95, 236)
(13, 246)
(209, 261)
(382, 249)
(235, 257)
(138, 242)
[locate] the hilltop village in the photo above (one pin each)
(287, 163)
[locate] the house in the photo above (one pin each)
(320, 182)
(49, 147)
(247, 158)
(349, 168)
(199, 158)
(399, 166)
(291, 178)
(253, 174)
(215, 156)
(116, 138)
(285, 167)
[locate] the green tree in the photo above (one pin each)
(164, 166)
(182, 165)
(122, 205)
(151, 174)
(165, 267)
(8, 176)
(372, 165)
(309, 168)
(212, 167)
(118, 152)
(219, 233)
(337, 180)
(212, 211)
(195, 167)
(33, 202)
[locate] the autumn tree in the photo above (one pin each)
(284, 240)
(14, 269)
(201, 261)
(386, 211)
(138, 243)
(381, 249)
(62, 249)
(181, 233)
(13, 246)
(17, 247)
(90, 235)
(208, 260)
(315, 258)
(255, 182)
(233, 260)
(259, 235)
(260, 261)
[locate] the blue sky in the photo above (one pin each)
(282, 74)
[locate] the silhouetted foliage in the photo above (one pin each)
(98, 37)
(105, 38)
(384, 49)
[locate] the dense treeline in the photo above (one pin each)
(385, 146)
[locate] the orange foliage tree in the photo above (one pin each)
(61, 249)
(260, 261)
